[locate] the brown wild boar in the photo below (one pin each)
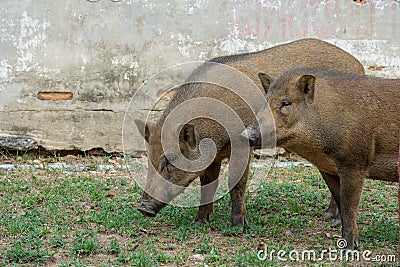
(306, 52)
(347, 125)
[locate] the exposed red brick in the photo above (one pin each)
(375, 68)
(166, 95)
(55, 95)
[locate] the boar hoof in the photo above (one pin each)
(204, 214)
(199, 221)
(333, 215)
(350, 250)
(328, 215)
(349, 246)
(239, 222)
(146, 212)
(336, 223)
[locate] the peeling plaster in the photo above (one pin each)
(4, 69)
(32, 35)
(197, 4)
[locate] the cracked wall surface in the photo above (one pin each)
(89, 57)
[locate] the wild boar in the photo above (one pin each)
(162, 171)
(347, 125)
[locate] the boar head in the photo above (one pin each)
(288, 97)
(164, 180)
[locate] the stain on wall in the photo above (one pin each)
(281, 20)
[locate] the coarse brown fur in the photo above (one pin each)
(306, 52)
(347, 125)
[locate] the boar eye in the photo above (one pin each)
(285, 103)
(169, 159)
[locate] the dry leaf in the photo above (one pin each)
(40, 200)
(111, 193)
(328, 235)
(261, 246)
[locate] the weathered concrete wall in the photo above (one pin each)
(102, 51)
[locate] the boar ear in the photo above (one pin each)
(266, 80)
(144, 128)
(188, 135)
(306, 84)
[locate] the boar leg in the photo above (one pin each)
(333, 183)
(207, 194)
(239, 216)
(332, 213)
(351, 183)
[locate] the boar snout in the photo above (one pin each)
(257, 139)
(261, 133)
(252, 133)
(150, 206)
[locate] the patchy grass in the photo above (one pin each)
(69, 218)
